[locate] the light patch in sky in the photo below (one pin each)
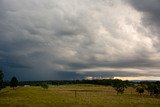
(151, 78)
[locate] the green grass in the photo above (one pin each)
(64, 96)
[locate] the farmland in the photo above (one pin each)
(74, 96)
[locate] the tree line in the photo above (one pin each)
(153, 88)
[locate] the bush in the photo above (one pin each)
(44, 86)
(119, 86)
(140, 90)
(153, 88)
(14, 82)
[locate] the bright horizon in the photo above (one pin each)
(141, 78)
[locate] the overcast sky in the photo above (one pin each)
(76, 39)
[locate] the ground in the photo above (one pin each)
(74, 96)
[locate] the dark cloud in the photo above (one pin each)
(151, 13)
(108, 74)
(150, 9)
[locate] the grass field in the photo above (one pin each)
(66, 96)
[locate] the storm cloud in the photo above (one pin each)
(73, 39)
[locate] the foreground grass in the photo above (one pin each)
(64, 96)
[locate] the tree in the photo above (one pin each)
(119, 86)
(140, 90)
(153, 88)
(1, 79)
(14, 82)
(44, 86)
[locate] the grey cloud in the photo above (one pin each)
(57, 39)
(151, 13)
(150, 9)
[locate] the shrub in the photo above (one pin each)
(44, 86)
(119, 86)
(140, 90)
(14, 82)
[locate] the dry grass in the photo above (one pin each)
(64, 96)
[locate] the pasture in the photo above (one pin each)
(74, 96)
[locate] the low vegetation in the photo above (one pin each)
(119, 86)
(44, 86)
(64, 96)
(140, 90)
(14, 82)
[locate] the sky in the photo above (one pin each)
(78, 39)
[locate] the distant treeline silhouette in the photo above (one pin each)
(106, 82)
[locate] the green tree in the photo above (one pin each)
(14, 82)
(119, 86)
(44, 86)
(1, 79)
(140, 90)
(153, 88)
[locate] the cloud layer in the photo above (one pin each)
(73, 39)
